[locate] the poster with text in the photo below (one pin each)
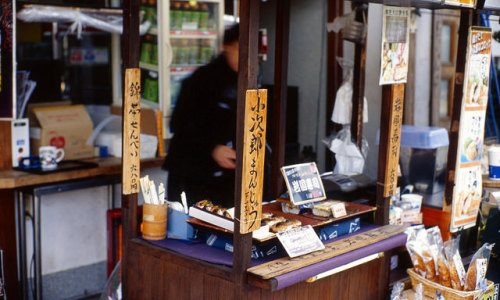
(395, 45)
(463, 3)
(467, 190)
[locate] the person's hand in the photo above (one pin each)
(224, 156)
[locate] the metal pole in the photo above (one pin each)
(37, 246)
(22, 242)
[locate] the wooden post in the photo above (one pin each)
(391, 120)
(334, 71)
(130, 57)
(280, 96)
(466, 16)
(358, 84)
(247, 79)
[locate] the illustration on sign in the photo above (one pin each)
(395, 45)
(472, 145)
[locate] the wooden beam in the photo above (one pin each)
(334, 71)
(130, 58)
(409, 112)
(358, 84)
(247, 79)
(286, 264)
(391, 120)
(280, 96)
(466, 17)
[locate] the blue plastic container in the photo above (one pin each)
(423, 156)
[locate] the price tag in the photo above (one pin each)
(491, 293)
(338, 210)
(410, 216)
(300, 241)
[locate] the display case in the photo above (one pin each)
(183, 36)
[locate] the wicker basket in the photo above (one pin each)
(430, 288)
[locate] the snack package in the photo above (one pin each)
(412, 247)
(437, 251)
(421, 255)
(476, 273)
(455, 264)
(397, 291)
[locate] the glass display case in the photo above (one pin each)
(183, 36)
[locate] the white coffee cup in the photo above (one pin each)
(494, 162)
(50, 156)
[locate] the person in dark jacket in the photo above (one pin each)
(201, 156)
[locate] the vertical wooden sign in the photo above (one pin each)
(131, 131)
(254, 150)
(394, 139)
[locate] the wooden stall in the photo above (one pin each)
(154, 272)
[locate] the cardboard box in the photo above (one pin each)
(66, 127)
(151, 124)
(177, 227)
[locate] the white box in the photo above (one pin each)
(19, 138)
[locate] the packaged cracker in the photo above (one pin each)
(437, 251)
(421, 256)
(455, 264)
(476, 273)
(411, 246)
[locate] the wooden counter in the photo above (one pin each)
(10, 180)
(487, 182)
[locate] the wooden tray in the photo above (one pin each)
(353, 210)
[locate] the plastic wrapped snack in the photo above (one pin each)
(324, 209)
(476, 273)
(456, 267)
(421, 255)
(437, 251)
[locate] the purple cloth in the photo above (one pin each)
(218, 256)
(302, 274)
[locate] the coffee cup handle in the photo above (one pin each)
(59, 155)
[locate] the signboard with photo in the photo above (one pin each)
(304, 183)
(468, 180)
(395, 45)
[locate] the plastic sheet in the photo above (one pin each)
(79, 19)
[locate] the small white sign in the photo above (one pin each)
(338, 210)
(299, 241)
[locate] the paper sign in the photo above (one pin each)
(338, 210)
(463, 3)
(410, 216)
(304, 183)
(131, 131)
(468, 179)
(254, 142)
(395, 45)
(300, 241)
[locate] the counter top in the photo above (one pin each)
(11, 179)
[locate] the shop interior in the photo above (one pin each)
(72, 54)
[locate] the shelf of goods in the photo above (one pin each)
(184, 35)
